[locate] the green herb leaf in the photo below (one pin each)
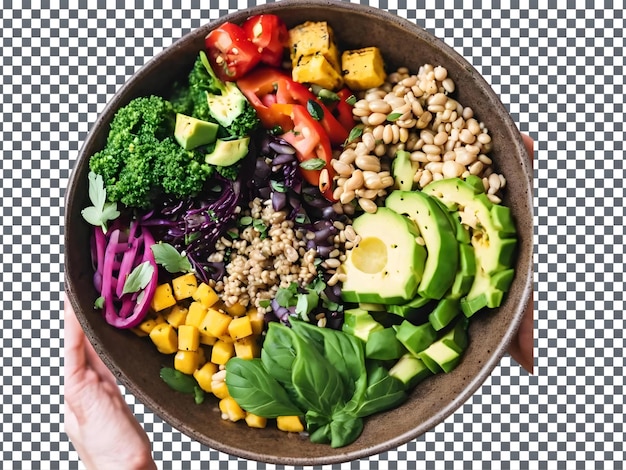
(264, 303)
(351, 100)
(382, 393)
(245, 220)
(286, 297)
(306, 303)
(139, 278)
(99, 303)
(191, 237)
(278, 353)
(393, 117)
(256, 391)
(344, 429)
(101, 211)
(315, 110)
(178, 381)
(355, 133)
(278, 186)
(313, 164)
(169, 257)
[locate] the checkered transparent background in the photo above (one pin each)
(558, 67)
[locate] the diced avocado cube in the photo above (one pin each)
(415, 338)
(410, 370)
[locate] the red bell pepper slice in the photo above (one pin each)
(231, 53)
(342, 109)
(269, 33)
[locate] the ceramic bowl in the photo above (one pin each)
(136, 364)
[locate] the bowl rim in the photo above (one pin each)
(116, 101)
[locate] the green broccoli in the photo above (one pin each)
(190, 97)
(142, 161)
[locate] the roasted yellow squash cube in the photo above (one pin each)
(247, 348)
(196, 314)
(222, 352)
(256, 320)
(312, 38)
(139, 332)
(149, 323)
(164, 338)
(204, 376)
(317, 70)
(163, 298)
(255, 421)
(215, 323)
(188, 338)
(289, 423)
(236, 310)
(207, 339)
(220, 389)
(201, 356)
(205, 295)
(184, 286)
(186, 361)
(176, 316)
(240, 327)
(363, 68)
(231, 410)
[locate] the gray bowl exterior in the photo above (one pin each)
(135, 362)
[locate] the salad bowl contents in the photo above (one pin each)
(297, 244)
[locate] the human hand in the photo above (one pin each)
(98, 421)
(521, 348)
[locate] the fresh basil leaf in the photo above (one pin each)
(178, 381)
(286, 297)
(256, 391)
(393, 117)
(306, 303)
(99, 302)
(318, 427)
(169, 257)
(139, 278)
(383, 391)
(321, 435)
(278, 353)
(313, 164)
(344, 429)
(355, 133)
(315, 110)
(351, 100)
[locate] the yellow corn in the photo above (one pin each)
(255, 421)
(289, 424)
(184, 286)
(188, 338)
(204, 374)
(222, 352)
(164, 338)
(231, 410)
(240, 327)
(162, 298)
(205, 295)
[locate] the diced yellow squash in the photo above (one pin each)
(220, 389)
(236, 310)
(255, 421)
(289, 423)
(207, 339)
(312, 38)
(231, 410)
(204, 376)
(139, 332)
(177, 315)
(256, 320)
(186, 361)
(247, 348)
(205, 295)
(164, 338)
(363, 68)
(163, 298)
(188, 338)
(240, 327)
(150, 322)
(184, 286)
(222, 352)
(196, 314)
(317, 70)
(201, 356)
(226, 338)
(215, 323)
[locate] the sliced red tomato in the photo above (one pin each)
(269, 33)
(231, 54)
(259, 87)
(310, 140)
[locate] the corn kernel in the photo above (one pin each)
(247, 348)
(289, 424)
(240, 327)
(222, 352)
(215, 323)
(236, 310)
(184, 286)
(186, 361)
(205, 295)
(164, 338)
(177, 316)
(162, 298)
(255, 421)
(204, 374)
(256, 320)
(231, 410)
(188, 338)
(196, 314)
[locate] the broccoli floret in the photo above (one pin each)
(142, 161)
(229, 172)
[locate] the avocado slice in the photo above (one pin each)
(440, 238)
(486, 291)
(445, 353)
(403, 170)
(465, 274)
(415, 338)
(409, 309)
(359, 323)
(446, 310)
(387, 265)
(410, 370)
(190, 132)
(228, 152)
